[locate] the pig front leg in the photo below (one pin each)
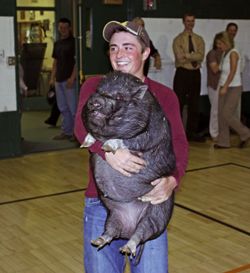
(112, 145)
(88, 141)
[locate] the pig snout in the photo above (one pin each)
(95, 103)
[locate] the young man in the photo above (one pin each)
(63, 76)
(189, 50)
(128, 50)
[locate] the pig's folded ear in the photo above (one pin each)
(88, 141)
(141, 90)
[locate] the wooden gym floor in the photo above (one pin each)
(42, 198)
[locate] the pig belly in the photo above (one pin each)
(125, 216)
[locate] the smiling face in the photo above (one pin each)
(232, 31)
(126, 54)
(189, 22)
(64, 30)
(221, 45)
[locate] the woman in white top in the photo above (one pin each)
(230, 89)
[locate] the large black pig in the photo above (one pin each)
(124, 114)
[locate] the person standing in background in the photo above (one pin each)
(230, 89)
(213, 59)
(63, 76)
(232, 29)
(153, 51)
(189, 50)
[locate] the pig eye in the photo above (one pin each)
(122, 97)
(107, 95)
(119, 97)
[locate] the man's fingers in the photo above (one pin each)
(152, 200)
(144, 198)
(132, 168)
(122, 171)
(139, 162)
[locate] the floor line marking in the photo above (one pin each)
(213, 219)
(41, 196)
(239, 269)
(209, 167)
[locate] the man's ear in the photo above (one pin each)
(146, 53)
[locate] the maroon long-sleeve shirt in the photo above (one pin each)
(169, 103)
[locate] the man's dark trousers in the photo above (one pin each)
(187, 84)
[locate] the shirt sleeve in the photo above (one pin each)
(170, 105)
(178, 49)
(179, 139)
(87, 89)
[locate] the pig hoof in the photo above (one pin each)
(99, 242)
(126, 250)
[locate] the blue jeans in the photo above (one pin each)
(66, 102)
(108, 259)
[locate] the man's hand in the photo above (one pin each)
(163, 188)
(25, 92)
(70, 83)
(125, 162)
(52, 82)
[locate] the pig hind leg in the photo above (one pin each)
(152, 224)
(112, 231)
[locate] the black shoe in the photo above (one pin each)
(243, 143)
(72, 139)
(62, 136)
(47, 121)
(217, 146)
(196, 138)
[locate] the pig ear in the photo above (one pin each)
(141, 91)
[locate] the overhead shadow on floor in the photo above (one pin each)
(38, 136)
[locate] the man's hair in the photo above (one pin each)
(186, 15)
(232, 25)
(65, 20)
